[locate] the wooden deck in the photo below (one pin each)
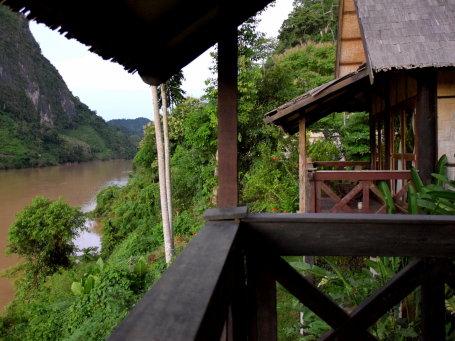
(223, 285)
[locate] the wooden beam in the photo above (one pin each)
(227, 118)
(353, 234)
(347, 198)
(341, 164)
(426, 124)
(357, 79)
(309, 295)
(373, 150)
(261, 300)
(379, 303)
(237, 326)
(184, 306)
(371, 175)
(387, 134)
(433, 301)
(303, 174)
(232, 213)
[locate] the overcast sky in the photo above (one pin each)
(114, 93)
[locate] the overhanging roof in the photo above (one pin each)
(407, 34)
(348, 93)
(154, 37)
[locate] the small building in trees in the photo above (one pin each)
(395, 60)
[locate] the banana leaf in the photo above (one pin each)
(417, 180)
(388, 198)
(441, 165)
(412, 200)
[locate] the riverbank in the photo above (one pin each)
(77, 183)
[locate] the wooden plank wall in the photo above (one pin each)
(350, 51)
(446, 116)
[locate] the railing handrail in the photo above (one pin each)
(361, 175)
(341, 163)
(190, 301)
(353, 234)
(201, 294)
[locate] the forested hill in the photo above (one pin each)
(41, 122)
(131, 126)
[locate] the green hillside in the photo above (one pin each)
(131, 126)
(41, 122)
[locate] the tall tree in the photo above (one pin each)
(310, 20)
(167, 162)
(172, 91)
(168, 240)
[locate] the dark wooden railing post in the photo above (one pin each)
(426, 124)
(261, 301)
(236, 325)
(433, 302)
(227, 118)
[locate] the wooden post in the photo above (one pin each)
(227, 118)
(261, 300)
(373, 151)
(387, 134)
(302, 168)
(433, 298)
(426, 124)
(237, 328)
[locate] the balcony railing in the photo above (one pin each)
(223, 285)
(353, 191)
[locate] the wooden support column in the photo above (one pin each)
(261, 300)
(433, 302)
(236, 326)
(373, 150)
(387, 135)
(303, 174)
(227, 118)
(426, 124)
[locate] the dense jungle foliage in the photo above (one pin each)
(91, 293)
(131, 126)
(41, 122)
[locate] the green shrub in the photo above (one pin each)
(43, 233)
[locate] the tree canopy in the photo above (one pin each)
(310, 20)
(43, 233)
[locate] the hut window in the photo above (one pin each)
(403, 138)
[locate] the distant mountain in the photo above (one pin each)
(131, 126)
(41, 122)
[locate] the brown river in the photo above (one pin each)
(76, 183)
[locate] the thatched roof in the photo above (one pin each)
(407, 34)
(397, 34)
(155, 37)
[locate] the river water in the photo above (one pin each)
(76, 183)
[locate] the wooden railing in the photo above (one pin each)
(342, 164)
(359, 187)
(223, 285)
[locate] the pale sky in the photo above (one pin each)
(110, 90)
